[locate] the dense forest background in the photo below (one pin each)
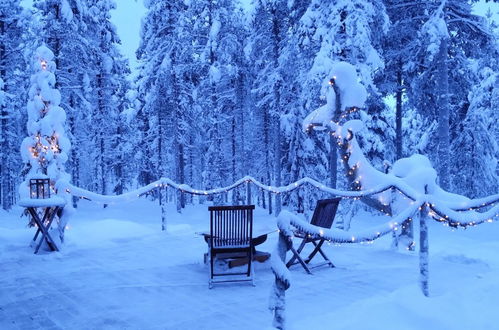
(221, 92)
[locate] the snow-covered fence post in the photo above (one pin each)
(423, 249)
(163, 198)
(278, 202)
(281, 284)
(281, 272)
(248, 192)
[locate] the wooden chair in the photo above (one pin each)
(231, 230)
(323, 216)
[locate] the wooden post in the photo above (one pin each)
(423, 250)
(278, 301)
(163, 199)
(248, 193)
(277, 204)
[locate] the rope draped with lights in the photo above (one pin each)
(452, 214)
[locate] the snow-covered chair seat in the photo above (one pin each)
(323, 216)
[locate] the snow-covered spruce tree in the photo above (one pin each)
(45, 151)
(217, 48)
(399, 49)
(299, 156)
(164, 91)
(14, 78)
(239, 80)
(65, 29)
(450, 37)
(109, 88)
(476, 148)
(269, 35)
(125, 136)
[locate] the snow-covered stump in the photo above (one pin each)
(423, 251)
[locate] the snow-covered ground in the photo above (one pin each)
(118, 270)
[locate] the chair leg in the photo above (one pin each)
(212, 260)
(296, 254)
(318, 248)
(314, 252)
(210, 278)
(251, 269)
(300, 260)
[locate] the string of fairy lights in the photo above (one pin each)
(44, 144)
(436, 209)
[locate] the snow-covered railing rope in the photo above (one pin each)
(475, 204)
(458, 214)
(288, 221)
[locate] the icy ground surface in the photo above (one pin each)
(118, 270)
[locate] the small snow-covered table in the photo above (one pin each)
(50, 207)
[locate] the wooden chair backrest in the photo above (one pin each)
(231, 226)
(324, 212)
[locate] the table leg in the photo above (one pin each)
(48, 217)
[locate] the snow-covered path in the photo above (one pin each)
(117, 270)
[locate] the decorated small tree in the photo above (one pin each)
(44, 151)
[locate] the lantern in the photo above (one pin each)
(39, 188)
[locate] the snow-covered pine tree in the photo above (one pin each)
(109, 89)
(448, 40)
(165, 90)
(65, 29)
(125, 135)
(270, 28)
(476, 148)
(217, 48)
(399, 49)
(153, 54)
(300, 158)
(14, 78)
(239, 115)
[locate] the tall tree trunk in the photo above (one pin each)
(4, 138)
(276, 113)
(443, 116)
(398, 113)
(333, 144)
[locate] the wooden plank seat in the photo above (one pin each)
(231, 230)
(323, 216)
(259, 256)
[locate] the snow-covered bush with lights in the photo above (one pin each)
(45, 150)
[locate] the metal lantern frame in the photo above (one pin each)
(39, 188)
